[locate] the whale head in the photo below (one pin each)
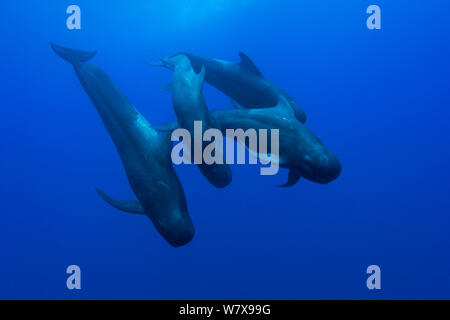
(165, 205)
(316, 163)
(321, 167)
(178, 230)
(175, 226)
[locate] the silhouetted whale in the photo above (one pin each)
(242, 82)
(300, 150)
(190, 105)
(145, 155)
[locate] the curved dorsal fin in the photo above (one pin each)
(248, 64)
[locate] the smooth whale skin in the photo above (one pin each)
(300, 150)
(145, 155)
(190, 105)
(242, 82)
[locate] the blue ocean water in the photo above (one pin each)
(379, 99)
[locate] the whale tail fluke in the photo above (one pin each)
(72, 55)
(161, 62)
(167, 87)
(154, 64)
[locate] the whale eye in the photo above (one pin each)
(307, 158)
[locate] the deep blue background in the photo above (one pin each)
(378, 99)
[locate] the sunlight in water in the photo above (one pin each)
(194, 12)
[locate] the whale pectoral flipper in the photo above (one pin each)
(130, 206)
(293, 178)
(248, 64)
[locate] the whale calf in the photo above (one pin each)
(145, 155)
(300, 150)
(190, 105)
(242, 82)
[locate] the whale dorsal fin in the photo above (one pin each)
(248, 64)
(293, 178)
(130, 206)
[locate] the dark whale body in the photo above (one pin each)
(145, 155)
(300, 150)
(190, 105)
(242, 82)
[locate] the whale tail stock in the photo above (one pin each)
(72, 55)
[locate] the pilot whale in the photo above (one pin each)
(190, 105)
(243, 82)
(145, 155)
(300, 150)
